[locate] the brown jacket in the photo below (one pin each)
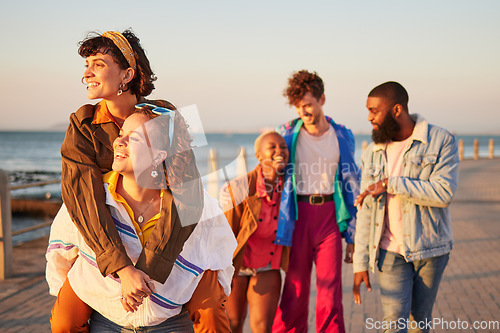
(87, 153)
(243, 217)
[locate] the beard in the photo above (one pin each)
(387, 130)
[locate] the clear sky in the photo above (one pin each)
(233, 58)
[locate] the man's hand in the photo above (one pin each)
(136, 285)
(358, 278)
(349, 251)
(374, 189)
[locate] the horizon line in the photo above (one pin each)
(252, 131)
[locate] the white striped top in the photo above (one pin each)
(210, 247)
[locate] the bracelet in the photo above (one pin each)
(384, 185)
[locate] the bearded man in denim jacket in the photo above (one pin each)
(409, 177)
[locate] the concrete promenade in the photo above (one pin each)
(469, 293)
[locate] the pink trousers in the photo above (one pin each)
(317, 239)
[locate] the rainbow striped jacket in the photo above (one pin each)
(346, 183)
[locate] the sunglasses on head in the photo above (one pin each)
(162, 112)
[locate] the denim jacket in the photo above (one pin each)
(426, 188)
(346, 184)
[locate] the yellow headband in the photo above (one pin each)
(123, 45)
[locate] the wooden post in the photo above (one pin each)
(476, 149)
(364, 144)
(461, 149)
(492, 149)
(5, 227)
(241, 163)
(213, 177)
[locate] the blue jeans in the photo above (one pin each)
(409, 288)
(177, 324)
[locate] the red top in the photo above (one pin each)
(261, 250)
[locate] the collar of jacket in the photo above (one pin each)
(288, 206)
(110, 186)
(254, 202)
(101, 121)
(346, 147)
(420, 132)
(102, 114)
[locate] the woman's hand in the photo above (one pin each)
(136, 285)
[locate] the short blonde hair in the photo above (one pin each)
(259, 139)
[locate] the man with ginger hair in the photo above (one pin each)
(317, 208)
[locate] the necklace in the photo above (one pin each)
(140, 218)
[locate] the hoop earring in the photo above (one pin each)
(120, 89)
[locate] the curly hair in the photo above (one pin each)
(142, 83)
(302, 82)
